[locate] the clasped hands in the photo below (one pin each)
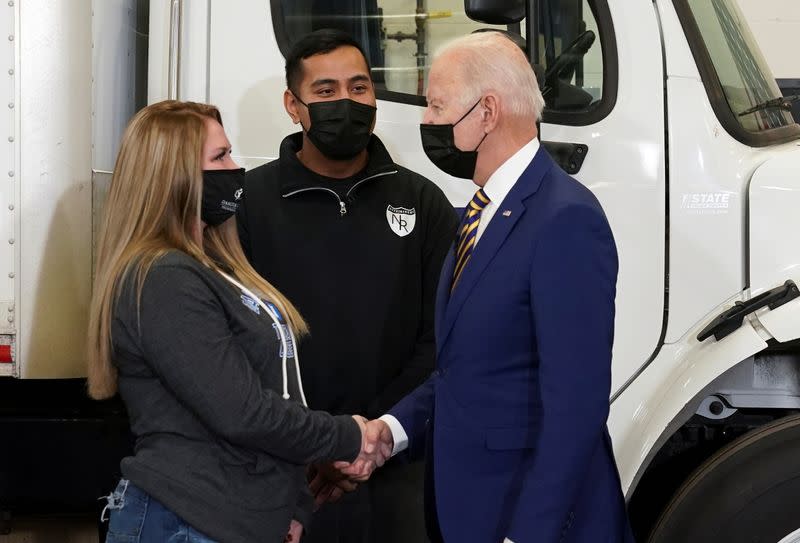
(329, 482)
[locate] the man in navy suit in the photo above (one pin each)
(514, 417)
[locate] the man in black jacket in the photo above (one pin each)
(357, 243)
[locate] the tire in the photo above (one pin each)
(746, 493)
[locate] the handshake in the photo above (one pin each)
(329, 482)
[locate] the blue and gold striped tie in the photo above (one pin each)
(468, 232)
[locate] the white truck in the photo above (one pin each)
(666, 109)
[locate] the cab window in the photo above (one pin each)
(400, 37)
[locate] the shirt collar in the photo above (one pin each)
(503, 179)
(294, 175)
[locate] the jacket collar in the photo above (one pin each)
(295, 176)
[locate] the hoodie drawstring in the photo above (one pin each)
(284, 343)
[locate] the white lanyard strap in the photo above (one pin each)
(284, 343)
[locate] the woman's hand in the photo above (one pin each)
(295, 532)
(327, 484)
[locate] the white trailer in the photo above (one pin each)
(661, 107)
(68, 71)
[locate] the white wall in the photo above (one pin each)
(776, 25)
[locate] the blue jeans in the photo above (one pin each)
(137, 517)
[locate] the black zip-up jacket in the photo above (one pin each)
(360, 258)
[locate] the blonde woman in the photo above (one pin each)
(201, 349)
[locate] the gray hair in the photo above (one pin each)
(490, 61)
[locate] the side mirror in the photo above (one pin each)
(495, 12)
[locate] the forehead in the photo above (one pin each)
(215, 134)
(340, 64)
(444, 78)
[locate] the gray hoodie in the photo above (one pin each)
(200, 371)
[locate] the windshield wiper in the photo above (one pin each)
(780, 102)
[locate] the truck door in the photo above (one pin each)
(611, 100)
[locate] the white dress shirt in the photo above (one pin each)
(503, 180)
(496, 188)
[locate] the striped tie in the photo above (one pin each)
(468, 232)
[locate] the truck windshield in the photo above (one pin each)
(746, 79)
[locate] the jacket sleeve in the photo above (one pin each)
(186, 339)
(305, 508)
(414, 413)
(572, 290)
(439, 236)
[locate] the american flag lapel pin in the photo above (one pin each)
(507, 213)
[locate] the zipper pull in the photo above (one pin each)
(343, 210)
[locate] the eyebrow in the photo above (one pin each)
(329, 81)
(220, 150)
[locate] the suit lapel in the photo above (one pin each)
(505, 218)
(443, 291)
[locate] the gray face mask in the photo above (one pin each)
(438, 141)
(340, 129)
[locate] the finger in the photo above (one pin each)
(350, 471)
(323, 495)
(374, 435)
(347, 485)
(363, 468)
(336, 495)
(316, 485)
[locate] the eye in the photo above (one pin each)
(325, 92)
(360, 88)
(222, 155)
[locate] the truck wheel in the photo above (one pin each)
(746, 493)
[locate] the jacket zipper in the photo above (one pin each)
(342, 206)
(382, 174)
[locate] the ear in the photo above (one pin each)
(491, 111)
(290, 104)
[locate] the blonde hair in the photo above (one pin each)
(153, 207)
(502, 68)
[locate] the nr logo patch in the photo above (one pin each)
(401, 220)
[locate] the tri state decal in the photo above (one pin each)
(401, 220)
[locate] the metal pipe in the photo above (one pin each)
(175, 32)
(532, 30)
(421, 41)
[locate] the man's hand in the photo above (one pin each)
(376, 447)
(327, 484)
(295, 532)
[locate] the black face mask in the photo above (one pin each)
(222, 192)
(439, 144)
(340, 129)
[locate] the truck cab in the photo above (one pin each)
(665, 109)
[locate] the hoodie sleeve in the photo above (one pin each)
(186, 339)
(305, 508)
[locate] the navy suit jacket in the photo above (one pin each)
(521, 390)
